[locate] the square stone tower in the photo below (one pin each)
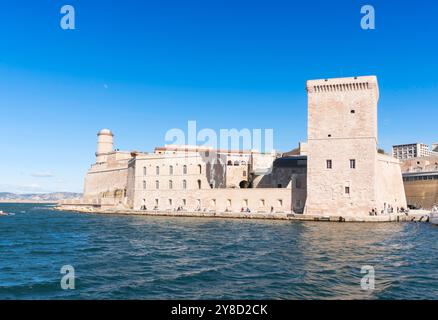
(342, 146)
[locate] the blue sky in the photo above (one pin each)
(141, 68)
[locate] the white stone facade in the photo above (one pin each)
(188, 178)
(345, 173)
(413, 150)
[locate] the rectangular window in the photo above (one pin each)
(144, 171)
(347, 190)
(329, 164)
(352, 164)
(298, 183)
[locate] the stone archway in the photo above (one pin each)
(243, 184)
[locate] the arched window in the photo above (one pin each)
(144, 185)
(170, 184)
(170, 170)
(157, 170)
(229, 163)
(157, 184)
(199, 184)
(184, 184)
(184, 169)
(236, 163)
(144, 171)
(199, 169)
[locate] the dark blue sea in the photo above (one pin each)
(132, 257)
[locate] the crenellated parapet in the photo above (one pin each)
(339, 85)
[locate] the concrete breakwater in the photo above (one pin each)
(412, 216)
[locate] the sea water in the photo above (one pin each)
(135, 257)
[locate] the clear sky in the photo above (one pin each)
(141, 68)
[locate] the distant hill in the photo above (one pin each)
(38, 197)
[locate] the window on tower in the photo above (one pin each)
(329, 164)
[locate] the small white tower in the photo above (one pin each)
(104, 145)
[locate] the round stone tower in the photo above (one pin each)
(104, 145)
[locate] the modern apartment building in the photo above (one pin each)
(413, 150)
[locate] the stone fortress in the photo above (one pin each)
(337, 172)
(192, 178)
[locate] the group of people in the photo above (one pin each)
(248, 210)
(388, 209)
